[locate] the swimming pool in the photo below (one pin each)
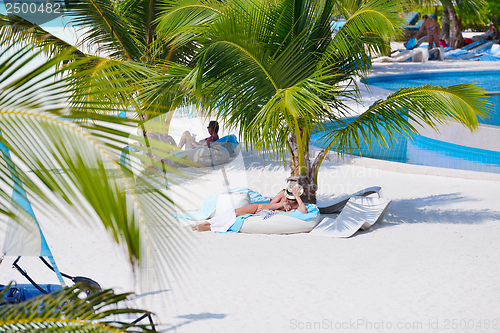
(426, 151)
(490, 80)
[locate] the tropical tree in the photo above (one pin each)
(126, 49)
(452, 13)
(125, 43)
(71, 169)
(491, 13)
(276, 72)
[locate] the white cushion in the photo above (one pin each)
(227, 201)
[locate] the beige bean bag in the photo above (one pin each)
(215, 155)
(278, 224)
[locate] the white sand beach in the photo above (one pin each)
(430, 266)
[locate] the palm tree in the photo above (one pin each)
(274, 69)
(130, 53)
(65, 311)
(124, 33)
(74, 169)
(451, 25)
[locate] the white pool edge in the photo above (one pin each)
(410, 168)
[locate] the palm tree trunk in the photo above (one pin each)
(305, 179)
(455, 37)
(456, 31)
(445, 30)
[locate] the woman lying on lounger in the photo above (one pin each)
(286, 200)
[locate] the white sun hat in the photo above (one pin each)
(288, 191)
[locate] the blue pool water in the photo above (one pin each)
(490, 81)
(425, 151)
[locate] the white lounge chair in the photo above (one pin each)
(416, 55)
(334, 205)
(359, 213)
(439, 51)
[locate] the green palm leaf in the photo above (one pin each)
(471, 7)
(64, 311)
(275, 69)
(474, 7)
(19, 30)
(179, 21)
(368, 23)
(108, 29)
(402, 110)
(72, 168)
(267, 64)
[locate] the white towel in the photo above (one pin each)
(223, 222)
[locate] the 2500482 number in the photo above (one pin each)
(471, 324)
(32, 8)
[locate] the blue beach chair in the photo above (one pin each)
(479, 49)
(412, 18)
(21, 241)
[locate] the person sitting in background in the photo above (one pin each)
(189, 142)
(433, 31)
(492, 32)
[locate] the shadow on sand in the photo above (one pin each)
(190, 318)
(433, 209)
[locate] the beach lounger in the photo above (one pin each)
(437, 53)
(490, 54)
(474, 45)
(486, 57)
(334, 205)
(359, 213)
(463, 54)
(416, 55)
(411, 44)
(412, 18)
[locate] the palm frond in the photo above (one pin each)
(305, 105)
(105, 27)
(64, 311)
(19, 30)
(76, 168)
(265, 62)
(99, 83)
(426, 105)
(180, 21)
(369, 23)
(141, 15)
(471, 7)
